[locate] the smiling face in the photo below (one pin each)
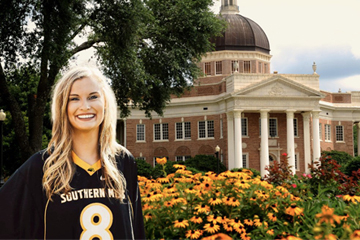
(86, 105)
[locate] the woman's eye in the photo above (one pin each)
(74, 99)
(93, 97)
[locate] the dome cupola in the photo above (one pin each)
(241, 33)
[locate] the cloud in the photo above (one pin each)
(347, 84)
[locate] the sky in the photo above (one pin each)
(326, 32)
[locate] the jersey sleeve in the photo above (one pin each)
(20, 202)
(130, 172)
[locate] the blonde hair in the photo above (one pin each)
(59, 168)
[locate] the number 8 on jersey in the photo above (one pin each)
(96, 220)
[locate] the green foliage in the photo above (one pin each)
(205, 163)
(342, 158)
(143, 168)
(353, 165)
(158, 169)
(149, 50)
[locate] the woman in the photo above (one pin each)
(84, 185)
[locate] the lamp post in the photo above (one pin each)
(2, 119)
(217, 150)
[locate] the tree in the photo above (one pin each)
(148, 48)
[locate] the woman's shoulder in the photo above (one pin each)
(35, 163)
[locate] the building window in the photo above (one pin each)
(296, 133)
(260, 68)
(297, 163)
(208, 68)
(140, 132)
(206, 129)
(244, 127)
(221, 128)
(339, 133)
(265, 68)
(247, 67)
(327, 132)
(234, 66)
(320, 131)
(183, 130)
(245, 160)
(161, 131)
(182, 158)
(141, 158)
(273, 127)
(218, 66)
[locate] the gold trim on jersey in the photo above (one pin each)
(90, 169)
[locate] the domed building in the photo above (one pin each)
(247, 114)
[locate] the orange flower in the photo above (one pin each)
(242, 184)
(202, 208)
(270, 231)
(148, 216)
(248, 222)
(355, 235)
(181, 223)
(214, 201)
(206, 185)
(327, 215)
(161, 161)
(179, 166)
(211, 228)
(351, 197)
(272, 217)
(196, 219)
(213, 219)
(193, 234)
(294, 210)
(163, 180)
(218, 236)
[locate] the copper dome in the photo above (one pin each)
(242, 34)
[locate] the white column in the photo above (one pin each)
(316, 139)
(238, 139)
(290, 139)
(307, 143)
(358, 138)
(230, 131)
(264, 148)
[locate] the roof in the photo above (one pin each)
(242, 34)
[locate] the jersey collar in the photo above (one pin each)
(90, 169)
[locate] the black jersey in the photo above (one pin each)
(88, 211)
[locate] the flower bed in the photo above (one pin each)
(236, 204)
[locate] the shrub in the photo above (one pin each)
(353, 165)
(279, 173)
(144, 168)
(342, 158)
(205, 163)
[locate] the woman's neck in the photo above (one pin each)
(86, 146)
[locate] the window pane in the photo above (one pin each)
(272, 127)
(295, 127)
(244, 161)
(187, 126)
(202, 129)
(247, 67)
(244, 127)
(165, 129)
(208, 68)
(157, 135)
(179, 132)
(339, 133)
(210, 125)
(219, 67)
(140, 132)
